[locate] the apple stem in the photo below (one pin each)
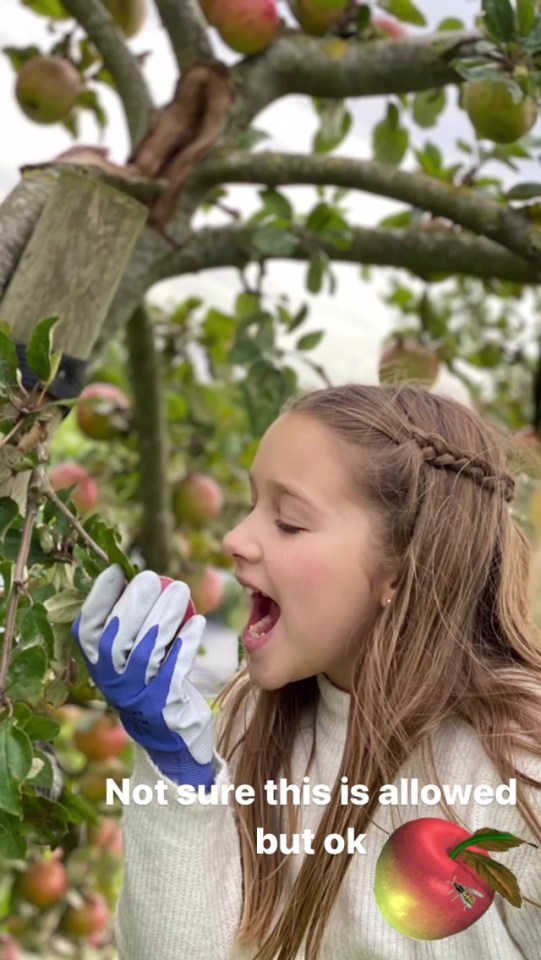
(472, 842)
(533, 902)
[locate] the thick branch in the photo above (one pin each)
(187, 31)
(462, 205)
(423, 253)
(150, 417)
(122, 65)
(336, 68)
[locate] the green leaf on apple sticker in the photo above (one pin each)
(497, 840)
(500, 878)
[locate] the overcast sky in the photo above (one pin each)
(355, 320)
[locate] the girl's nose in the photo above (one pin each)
(238, 542)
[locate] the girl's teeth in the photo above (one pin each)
(261, 626)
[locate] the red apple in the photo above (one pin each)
(389, 27)
(420, 890)
(9, 948)
(209, 8)
(190, 610)
(103, 411)
(248, 26)
(102, 738)
(196, 499)
(86, 494)
(107, 836)
(207, 589)
(88, 919)
(44, 883)
(92, 784)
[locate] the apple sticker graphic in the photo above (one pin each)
(434, 878)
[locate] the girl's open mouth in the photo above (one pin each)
(263, 619)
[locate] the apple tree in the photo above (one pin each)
(149, 469)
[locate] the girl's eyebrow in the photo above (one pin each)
(287, 490)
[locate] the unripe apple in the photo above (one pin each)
(101, 738)
(409, 361)
(315, 18)
(420, 890)
(389, 27)
(88, 919)
(44, 883)
(92, 784)
(86, 494)
(196, 499)
(47, 88)
(207, 589)
(248, 26)
(129, 15)
(103, 411)
(494, 114)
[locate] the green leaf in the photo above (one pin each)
(9, 362)
(499, 19)
(89, 100)
(402, 219)
(65, 606)
(274, 242)
(336, 121)
(310, 340)
(526, 16)
(15, 762)
(427, 106)
(26, 673)
(39, 349)
(12, 844)
(450, 23)
(521, 191)
(41, 727)
(21, 55)
(404, 10)
(47, 8)
(46, 821)
(41, 772)
(277, 204)
(390, 141)
(9, 511)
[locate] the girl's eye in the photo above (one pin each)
(284, 527)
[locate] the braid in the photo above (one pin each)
(438, 453)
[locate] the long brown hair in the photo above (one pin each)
(456, 640)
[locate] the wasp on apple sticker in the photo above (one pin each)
(434, 879)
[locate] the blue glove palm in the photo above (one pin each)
(124, 636)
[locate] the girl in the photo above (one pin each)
(393, 643)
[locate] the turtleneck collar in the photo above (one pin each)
(333, 709)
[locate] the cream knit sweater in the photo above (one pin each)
(181, 897)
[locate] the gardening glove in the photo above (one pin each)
(124, 635)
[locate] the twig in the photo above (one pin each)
(9, 633)
(50, 493)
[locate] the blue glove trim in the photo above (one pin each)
(182, 768)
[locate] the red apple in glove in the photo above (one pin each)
(165, 581)
(423, 892)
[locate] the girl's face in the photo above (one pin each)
(324, 576)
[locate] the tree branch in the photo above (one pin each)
(187, 31)
(425, 254)
(122, 65)
(335, 68)
(150, 423)
(463, 205)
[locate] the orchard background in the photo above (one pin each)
(222, 203)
